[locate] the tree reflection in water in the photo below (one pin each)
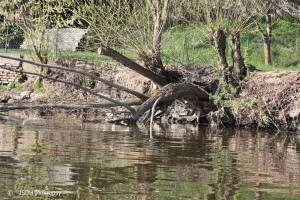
(104, 161)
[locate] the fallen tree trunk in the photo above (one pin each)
(158, 79)
(169, 94)
(135, 93)
(65, 106)
(73, 84)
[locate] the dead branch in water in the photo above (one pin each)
(152, 115)
(64, 106)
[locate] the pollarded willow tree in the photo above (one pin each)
(221, 19)
(137, 25)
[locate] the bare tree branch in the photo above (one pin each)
(297, 2)
(135, 93)
(280, 8)
(64, 106)
(73, 84)
(152, 115)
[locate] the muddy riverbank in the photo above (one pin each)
(265, 100)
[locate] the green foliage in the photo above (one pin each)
(284, 25)
(37, 86)
(18, 86)
(264, 116)
(283, 52)
(10, 85)
(252, 103)
(89, 43)
(246, 56)
(184, 44)
(89, 82)
(13, 34)
(198, 48)
(229, 104)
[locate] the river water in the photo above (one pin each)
(64, 159)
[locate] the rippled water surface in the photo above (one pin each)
(51, 158)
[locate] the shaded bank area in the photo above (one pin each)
(264, 99)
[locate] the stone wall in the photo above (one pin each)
(63, 39)
(8, 76)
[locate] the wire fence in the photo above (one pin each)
(185, 48)
(177, 48)
(10, 41)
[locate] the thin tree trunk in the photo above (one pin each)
(297, 35)
(267, 34)
(239, 68)
(135, 93)
(154, 61)
(267, 50)
(268, 37)
(219, 44)
(159, 13)
(156, 78)
(34, 45)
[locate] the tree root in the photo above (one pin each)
(152, 115)
(169, 94)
